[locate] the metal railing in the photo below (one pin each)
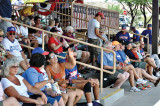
(102, 49)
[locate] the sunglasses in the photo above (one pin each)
(12, 33)
(53, 56)
(14, 66)
(1, 35)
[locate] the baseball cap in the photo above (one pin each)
(114, 43)
(123, 27)
(101, 14)
(39, 50)
(54, 29)
(149, 25)
(133, 27)
(11, 29)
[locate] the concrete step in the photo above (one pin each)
(108, 96)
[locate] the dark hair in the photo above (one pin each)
(13, 17)
(48, 57)
(36, 18)
(37, 60)
(36, 7)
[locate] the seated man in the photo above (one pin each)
(14, 49)
(119, 76)
(83, 84)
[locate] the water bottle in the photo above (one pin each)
(70, 80)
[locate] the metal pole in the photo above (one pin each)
(101, 86)
(43, 40)
(155, 27)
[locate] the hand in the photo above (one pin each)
(44, 98)
(54, 94)
(70, 52)
(103, 39)
(39, 101)
(51, 81)
(118, 67)
(92, 82)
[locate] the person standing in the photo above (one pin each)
(94, 35)
(148, 33)
(5, 12)
(135, 37)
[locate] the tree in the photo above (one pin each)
(115, 8)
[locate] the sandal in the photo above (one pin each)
(157, 81)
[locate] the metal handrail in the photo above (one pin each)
(101, 69)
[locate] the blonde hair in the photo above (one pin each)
(69, 28)
(1, 32)
(7, 64)
(137, 43)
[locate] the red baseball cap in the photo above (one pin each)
(101, 14)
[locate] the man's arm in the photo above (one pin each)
(97, 33)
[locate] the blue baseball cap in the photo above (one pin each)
(149, 25)
(133, 27)
(123, 27)
(39, 50)
(11, 29)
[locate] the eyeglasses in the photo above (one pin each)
(1, 35)
(70, 32)
(12, 33)
(53, 56)
(14, 66)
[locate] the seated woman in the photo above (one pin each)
(35, 77)
(82, 55)
(11, 101)
(57, 71)
(16, 86)
(55, 45)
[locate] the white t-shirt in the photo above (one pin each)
(91, 28)
(18, 29)
(45, 77)
(13, 47)
(60, 30)
(24, 31)
(21, 89)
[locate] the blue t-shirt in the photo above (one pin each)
(136, 37)
(32, 76)
(118, 57)
(73, 72)
(107, 59)
(122, 54)
(123, 37)
(5, 8)
(147, 33)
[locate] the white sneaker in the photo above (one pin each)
(141, 81)
(134, 89)
(157, 74)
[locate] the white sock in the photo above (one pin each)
(89, 104)
(97, 101)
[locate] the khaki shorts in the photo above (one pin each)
(93, 51)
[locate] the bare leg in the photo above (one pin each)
(65, 97)
(96, 89)
(151, 62)
(79, 94)
(11, 101)
(55, 103)
(61, 102)
(23, 65)
(121, 79)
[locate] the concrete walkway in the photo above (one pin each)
(147, 97)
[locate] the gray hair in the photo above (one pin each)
(107, 44)
(51, 22)
(68, 28)
(7, 64)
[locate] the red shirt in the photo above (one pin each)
(56, 42)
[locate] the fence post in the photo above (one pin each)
(43, 40)
(72, 14)
(101, 86)
(148, 45)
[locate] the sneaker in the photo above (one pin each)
(141, 81)
(157, 74)
(139, 86)
(146, 86)
(134, 89)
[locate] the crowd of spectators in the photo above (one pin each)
(33, 83)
